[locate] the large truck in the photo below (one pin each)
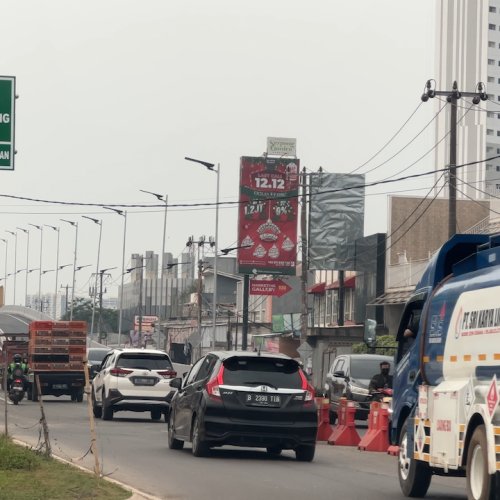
(445, 415)
(57, 350)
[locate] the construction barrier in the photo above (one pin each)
(393, 450)
(324, 427)
(345, 433)
(377, 436)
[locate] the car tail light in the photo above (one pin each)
(306, 386)
(120, 372)
(167, 373)
(18, 381)
(213, 385)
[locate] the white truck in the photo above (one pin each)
(445, 407)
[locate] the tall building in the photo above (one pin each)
(468, 52)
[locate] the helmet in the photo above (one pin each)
(17, 358)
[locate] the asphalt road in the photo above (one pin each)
(133, 449)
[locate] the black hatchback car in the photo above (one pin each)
(244, 399)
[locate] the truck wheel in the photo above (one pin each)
(480, 484)
(34, 393)
(414, 475)
(96, 409)
(79, 395)
(107, 410)
(155, 415)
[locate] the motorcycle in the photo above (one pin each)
(16, 391)
(382, 395)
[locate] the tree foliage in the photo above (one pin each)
(82, 311)
(386, 345)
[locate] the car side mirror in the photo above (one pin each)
(176, 383)
(340, 374)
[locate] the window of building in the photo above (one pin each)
(497, 186)
(497, 168)
(491, 45)
(490, 114)
(492, 27)
(491, 62)
(491, 79)
(498, 151)
(489, 149)
(489, 131)
(493, 10)
(488, 167)
(498, 133)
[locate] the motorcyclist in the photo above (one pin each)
(17, 362)
(382, 380)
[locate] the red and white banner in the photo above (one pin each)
(268, 213)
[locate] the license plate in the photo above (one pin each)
(60, 386)
(269, 400)
(19, 389)
(144, 381)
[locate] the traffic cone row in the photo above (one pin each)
(345, 433)
(324, 427)
(377, 436)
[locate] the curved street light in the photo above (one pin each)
(211, 167)
(75, 225)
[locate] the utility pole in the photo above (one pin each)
(452, 96)
(199, 299)
(140, 299)
(66, 299)
(303, 238)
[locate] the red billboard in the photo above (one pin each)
(268, 213)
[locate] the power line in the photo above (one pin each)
(389, 141)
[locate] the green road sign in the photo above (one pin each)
(7, 112)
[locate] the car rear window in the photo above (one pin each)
(366, 368)
(144, 361)
(97, 354)
(279, 373)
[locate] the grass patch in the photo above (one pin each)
(27, 475)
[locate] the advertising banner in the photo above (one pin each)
(336, 219)
(268, 212)
(7, 106)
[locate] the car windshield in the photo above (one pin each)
(277, 373)
(144, 361)
(97, 354)
(363, 368)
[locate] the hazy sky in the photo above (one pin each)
(114, 94)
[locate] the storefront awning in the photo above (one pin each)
(348, 283)
(317, 288)
(391, 298)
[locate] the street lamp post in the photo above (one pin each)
(165, 200)
(57, 268)
(211, 167)
(5, 264)
(15, 261)
(41, 274)
(26, 231)
(40, 228)
(99, 223)
(120, 316)
(129, 270)
(75, 225)
(99, 324)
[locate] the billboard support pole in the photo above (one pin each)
(303, 237)
(246, 287)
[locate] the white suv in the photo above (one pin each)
(133, 380)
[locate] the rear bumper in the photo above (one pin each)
(119, 402)
(220, 430)
(58, 383)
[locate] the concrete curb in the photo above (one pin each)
(136, 494)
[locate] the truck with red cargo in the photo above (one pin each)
(56, 353)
